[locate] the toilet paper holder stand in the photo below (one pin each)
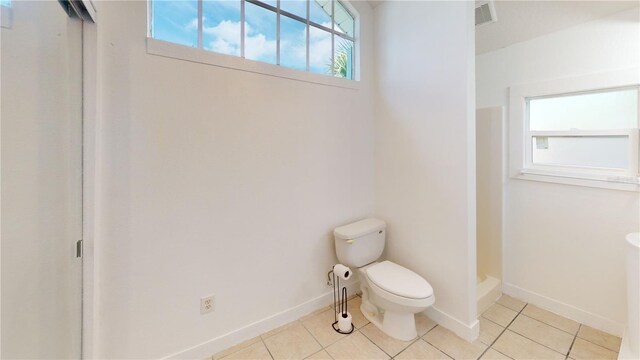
(339, 306)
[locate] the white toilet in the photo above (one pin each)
(391, 294)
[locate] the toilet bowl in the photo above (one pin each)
(395, 295)
(391, 293)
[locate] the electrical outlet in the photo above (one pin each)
(207, 304)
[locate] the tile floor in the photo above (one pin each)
(510, 329)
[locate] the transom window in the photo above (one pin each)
(311, 35)
(592, 133)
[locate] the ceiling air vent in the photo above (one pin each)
(485, 12)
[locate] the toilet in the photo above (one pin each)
(391, 294)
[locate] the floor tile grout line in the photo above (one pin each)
(576, 335)
(319, 351)
(434, 345)
(239, 349)
(418, 338)
(428, 343)
(593, 343)
(573, 342)
(502, 332)
(542, 322)
(553, 326)
(528, 338)
(266, 347)
(313, 337)
(374, 343)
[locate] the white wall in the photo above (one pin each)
(564, 245)
(215, 181)
(41, 74)
(425, 148)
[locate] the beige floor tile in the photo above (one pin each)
(582, 350)
(385, 342)
(518, 347)
(552, 319)
(492, 354)
(236, 348)
(600, 338)
(542, 333)
(511, 303)
(489, 331)
(355, 346)
(424, 324)
(319, 326)
(500, 315)
(314, 313)
(356, 315)
(278, 329)
(293, 343)
(320, 355)
(421, 350)
(449, 343)
(256, 351)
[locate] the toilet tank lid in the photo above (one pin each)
(359, 228)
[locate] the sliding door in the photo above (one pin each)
(41, 180)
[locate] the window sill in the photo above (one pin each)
(181, 52)
(613, 182)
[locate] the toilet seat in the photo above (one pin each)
(399, 281)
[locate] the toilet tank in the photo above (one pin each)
(360, 243)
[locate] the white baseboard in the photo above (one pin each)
(467, 332)
(247, 332)
(566, 310)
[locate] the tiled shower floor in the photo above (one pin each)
(510, 329)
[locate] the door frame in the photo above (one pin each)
(90, 183)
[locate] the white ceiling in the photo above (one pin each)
(523, 20)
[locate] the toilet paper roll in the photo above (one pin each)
(344, 322)
(342, 271)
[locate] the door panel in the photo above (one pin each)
(41, 181)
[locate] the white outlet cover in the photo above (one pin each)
(207, 304)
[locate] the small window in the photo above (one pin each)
(5, 14)
(310, 35)
(590, 135)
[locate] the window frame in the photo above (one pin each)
(522, 138)
(201, 55)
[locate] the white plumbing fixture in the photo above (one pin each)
(391, 294)
(630, 348)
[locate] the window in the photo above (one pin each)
(5, 14)
(311, 35)
(586, 135)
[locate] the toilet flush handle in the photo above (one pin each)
(350, 241)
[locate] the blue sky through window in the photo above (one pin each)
(221, 26)
(177, 21)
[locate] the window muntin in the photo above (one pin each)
(592, 133)
(313, 35)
